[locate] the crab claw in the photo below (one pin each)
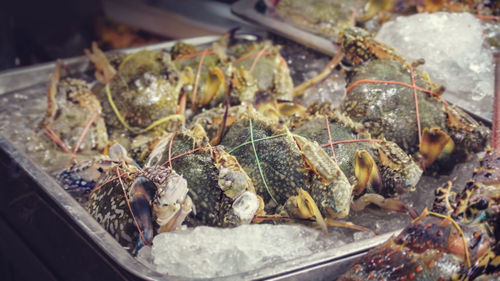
(366, 173)
(171, 204)
(435, 144)
(118, 153)
(140, 196)
(214, 86)
(303, 206)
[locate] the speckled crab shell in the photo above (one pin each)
(108, 205)
(279, 168)
(110, 202)
(322, 17)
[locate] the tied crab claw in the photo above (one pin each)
(164, 190)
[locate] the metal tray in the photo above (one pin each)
(321, 265)
(248, 10)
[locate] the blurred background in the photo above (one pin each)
(34, 31)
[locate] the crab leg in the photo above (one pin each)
(105, 71)
(52, 92)
(300, 89)
(366, 172)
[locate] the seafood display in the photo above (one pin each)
(219, 135)
(456, 240)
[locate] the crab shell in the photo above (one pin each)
(108, 205)
(282, 168)
(398, 172)
(222, 193)
(324, 17)
(388, 110)
(143, 89)
(162, 189)
(430, 248)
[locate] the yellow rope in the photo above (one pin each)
(455, 224)
(151, 126)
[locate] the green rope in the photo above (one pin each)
(126, 125)
(258, 161)
(257, 140)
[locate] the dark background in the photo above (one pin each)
(36, 31)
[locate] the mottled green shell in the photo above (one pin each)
(340, 129)
(388, 110)
(397, 178)
(281, 162)
(145, 89)
(201, 175)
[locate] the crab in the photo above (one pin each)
(222, 193)
(288, 170)
(206, 70)
(388, 111)
(134, 204)
(81, 177)
(74, 115)
(260, 67)
(141, 91)
(377, 169)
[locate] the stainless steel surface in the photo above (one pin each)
(36, 78)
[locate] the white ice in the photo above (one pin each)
(207, 252)
(453, 49)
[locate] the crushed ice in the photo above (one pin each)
(452, 45)
(205, 252)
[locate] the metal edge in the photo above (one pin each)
(108, 244)
(246, 10)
